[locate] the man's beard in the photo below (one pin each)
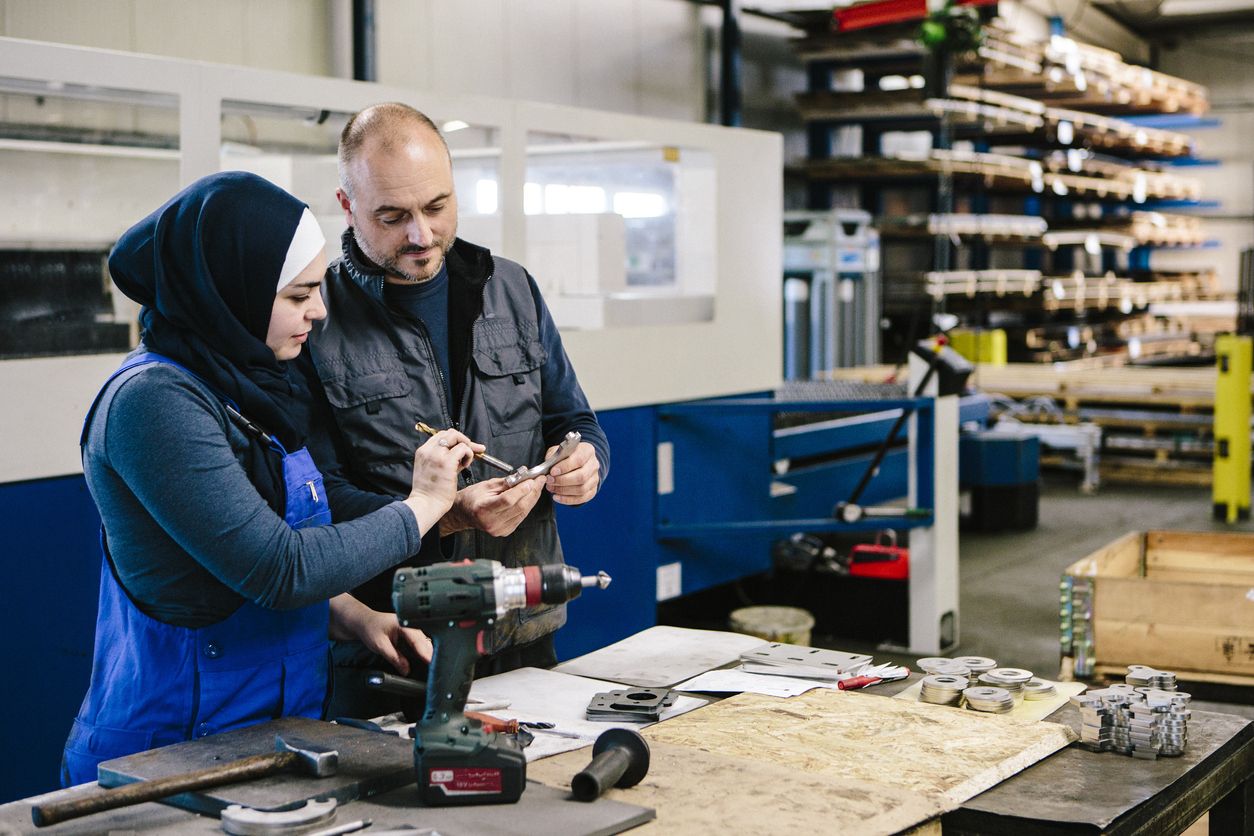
(392, 264)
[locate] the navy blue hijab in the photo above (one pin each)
(205, 267)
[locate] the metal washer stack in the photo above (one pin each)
(977, 665)
(943, 665)
(990, 699)
(1012, 679)
(1039, 689)
(943, 688)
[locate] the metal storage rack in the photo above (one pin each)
(1061, 136)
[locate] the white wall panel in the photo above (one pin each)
(197, 31)
(468, 47)
(605, 48)
(292, 35)
(538, 38)
(100, 23)
(404, 42)
(671, 84)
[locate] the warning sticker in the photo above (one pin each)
(465, 781)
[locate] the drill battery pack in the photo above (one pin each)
(495, 774)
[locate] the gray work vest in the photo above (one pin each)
(380, 376)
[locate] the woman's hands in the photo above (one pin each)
(379, 631)
(436, 465)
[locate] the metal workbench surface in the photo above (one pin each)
(1078, 791)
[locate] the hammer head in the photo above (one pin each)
(315, 760)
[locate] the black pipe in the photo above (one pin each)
(363, 40)
(729, 98)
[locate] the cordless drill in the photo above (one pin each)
(456, 760)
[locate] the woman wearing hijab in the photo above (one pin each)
(219, 555)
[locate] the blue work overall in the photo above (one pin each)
(153, 683)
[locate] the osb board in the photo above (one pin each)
(850, 752)
(701, 792)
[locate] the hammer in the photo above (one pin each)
(311, 759)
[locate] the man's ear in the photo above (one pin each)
(346, 203)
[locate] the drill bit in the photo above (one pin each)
(600, 580)
(484, 457)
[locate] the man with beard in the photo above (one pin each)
(424, 326)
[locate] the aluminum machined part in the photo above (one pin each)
(563, 451)
(1012, 679)
(989, 698)
(942, 688)
(1039, 689)
(1133, 719)
(943, 665)
(633, 705)
(977, 665)
(245, 821)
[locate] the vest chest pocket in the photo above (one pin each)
(370, 407)
(508, 378)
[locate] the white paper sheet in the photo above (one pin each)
(737, 681)
(659, 657)
(548, 696)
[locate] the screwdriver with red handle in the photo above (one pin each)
(873, 675)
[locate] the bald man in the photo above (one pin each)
(424, 326)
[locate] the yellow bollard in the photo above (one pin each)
(1231, 481)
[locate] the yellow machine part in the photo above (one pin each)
(987, 346)
(1231, 480)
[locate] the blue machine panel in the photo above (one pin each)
(48, 620)
(614, 532)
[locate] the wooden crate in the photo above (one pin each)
(1181, 601)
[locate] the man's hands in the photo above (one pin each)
(492, 507)
(495, 509)
(576, 479)
(379, 631)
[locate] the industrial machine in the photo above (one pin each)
(456, 759)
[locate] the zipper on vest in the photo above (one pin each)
(470, 349)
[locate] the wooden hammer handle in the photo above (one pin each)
(245, 769)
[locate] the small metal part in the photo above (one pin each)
(990, 699)
(245, 821)
(942, 688)
(563, 451)
(800, 661)
(635, 705)
(1039, 689)
(942, 665)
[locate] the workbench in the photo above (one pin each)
(1071, 791)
